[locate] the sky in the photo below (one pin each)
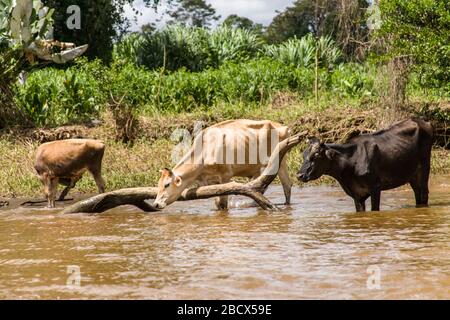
(260, 11)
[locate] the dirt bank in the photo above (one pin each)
(138, 163)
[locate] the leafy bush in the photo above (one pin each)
(252, 81)
(419, 29)
(302, 52)
(190, 47)
(296, 52)
(136, 85)
(197, 48)
(230, 44)
(53, 96)
(353, 80)
(128, 49)
(178, 46)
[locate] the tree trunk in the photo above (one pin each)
(138, 196)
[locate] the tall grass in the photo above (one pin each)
(129, 49)
(302, 52)
(192, 48)
(196, 49)
(231, 44)
(176, 47)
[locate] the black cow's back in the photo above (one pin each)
(396, 152)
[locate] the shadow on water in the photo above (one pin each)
(315, 248)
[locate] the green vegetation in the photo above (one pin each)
(343, 21)
(195, 13)
(23, 25)
(241, 70)
(101, 22)
(420, 31)
(57, 97)
(193, 48)
(182, 68)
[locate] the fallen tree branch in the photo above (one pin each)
(138, 196)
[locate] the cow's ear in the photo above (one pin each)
(166, 172)
(178, 181)
(367, 158)
(330, 154)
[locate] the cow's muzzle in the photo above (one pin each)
(159, 205)
(302, 177)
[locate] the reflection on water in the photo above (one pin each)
(317, 248)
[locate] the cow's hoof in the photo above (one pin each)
(221, 207)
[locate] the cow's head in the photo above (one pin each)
(170, 188)
(316, 160)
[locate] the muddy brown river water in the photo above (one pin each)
(317, 248)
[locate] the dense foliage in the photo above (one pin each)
(101, 21)
(23, 26)
(302, 52)
(193, 48)
(420, 29)
(181, 68)
(196, 13)
(196, 49)
(55, 96)
(320, 17)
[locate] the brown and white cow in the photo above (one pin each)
(65, 162)
(234, 148)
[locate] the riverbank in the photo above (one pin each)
(150, 149)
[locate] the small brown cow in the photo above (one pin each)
(65, 162)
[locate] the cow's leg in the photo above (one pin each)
(360, 205)
(424, 181)
(71, 184)
(50, 188)
(424, 194)
(415, 185)
(46, 182)
(96, 173)
(419, 184)
(64, 193)
(285, 181)
(65, 182)
(375, 197)
(222, 201)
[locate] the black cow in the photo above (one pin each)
(370, 163)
